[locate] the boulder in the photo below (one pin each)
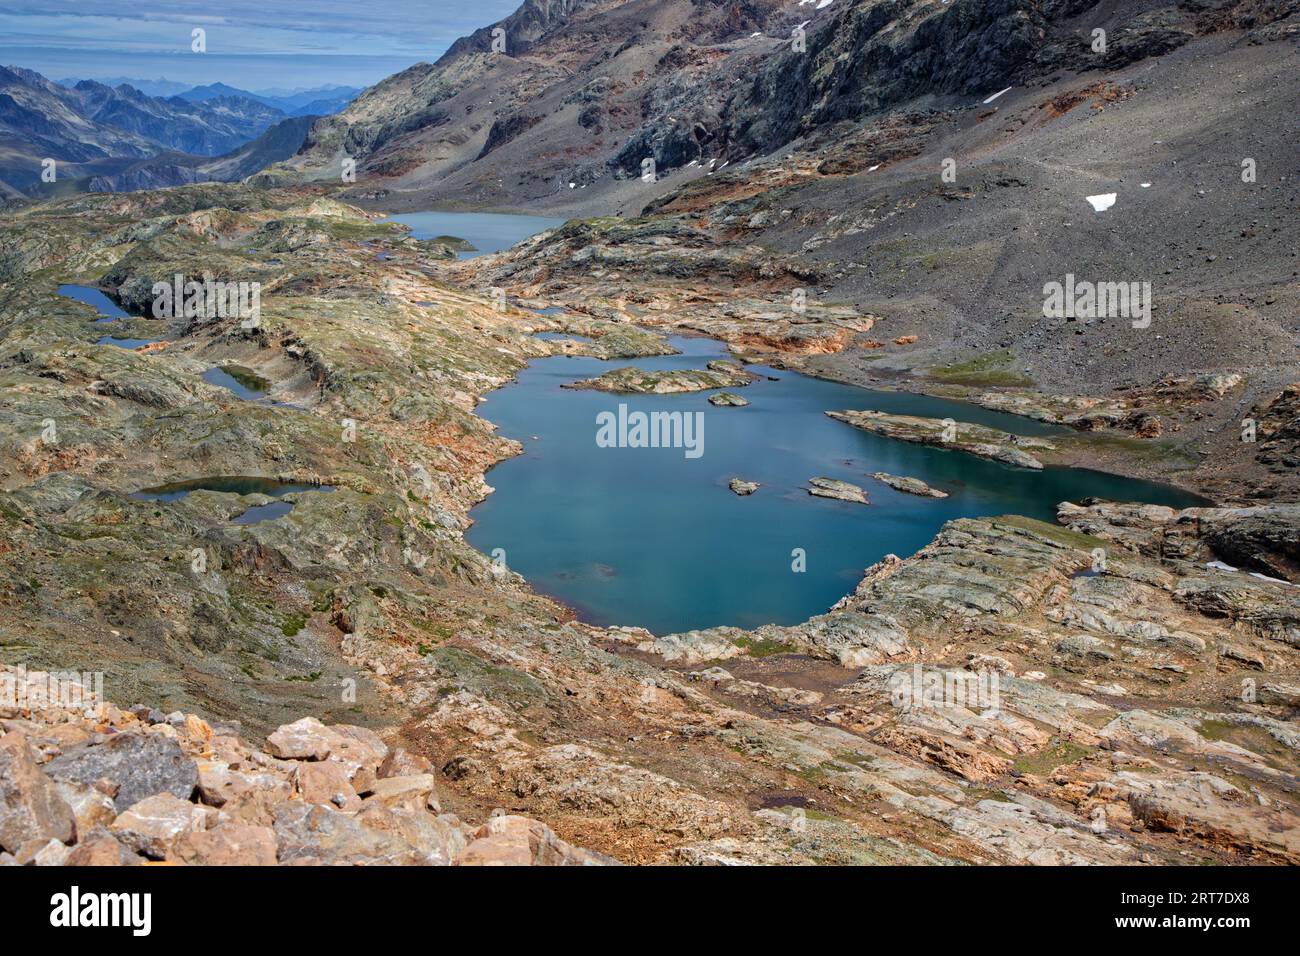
(230, 844)
(31, 807)
(218, 784)
(834, 488)
(912, 486)
(728, 400)
(435, 839)
(101, 849)
(134, 765)
(400, 762)
(306, 739)
(321, 835)
(326, 782)
(414, 790)
(150, 826)
(90, 807)
(509, 840)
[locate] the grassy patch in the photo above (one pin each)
(293, 624)
(1064, 536)
(763, 647)
(991, 368)
(1056, 754)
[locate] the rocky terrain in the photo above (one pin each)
(889, 207)
(1120, 687)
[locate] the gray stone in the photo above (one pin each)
(138, 765)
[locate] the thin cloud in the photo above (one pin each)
(282, 42)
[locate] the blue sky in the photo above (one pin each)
(251, 44)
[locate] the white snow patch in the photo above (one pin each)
(1265, 577)
(1102, 201)
(1146, 185)
(996, 95)
(1219, 566)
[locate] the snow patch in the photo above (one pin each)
(1102, 201)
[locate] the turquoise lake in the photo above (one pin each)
(485, 231)
(648, 537)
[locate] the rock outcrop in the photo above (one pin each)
(978, 440)
(635, 381)
(834, 488)
(912, 486)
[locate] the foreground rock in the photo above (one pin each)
(185, 794)
(635, 381)
(912, 486)
(976, 440)
(32, 812)
(840, 490)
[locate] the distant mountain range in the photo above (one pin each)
(158, 87)
(317, 101)
(109, 137)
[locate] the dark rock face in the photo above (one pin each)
(139, 765)
(859, 62)
(508, 128)
(872, 56)
(670, 146)
(1266, 540)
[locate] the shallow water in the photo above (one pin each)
(109, 310)
(242, 382)
(556, 336)
(125, 343)
(485, 231)
(236, 485)
(648, 537)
